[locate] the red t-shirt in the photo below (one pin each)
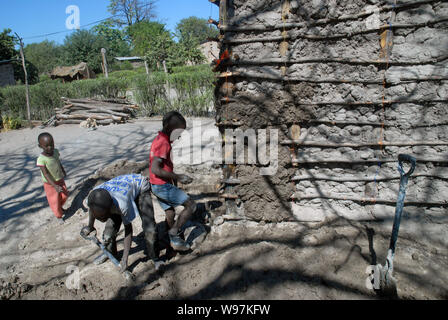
(161, 148)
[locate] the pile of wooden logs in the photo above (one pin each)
(104, 112)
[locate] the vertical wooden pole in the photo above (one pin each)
(27, 90)
(103, 53)
(223, 13)
(146, 67)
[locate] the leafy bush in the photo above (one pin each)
(119, 66)
(10, 123)
(189, 91)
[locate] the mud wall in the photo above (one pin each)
(348, 85)
(6, 75)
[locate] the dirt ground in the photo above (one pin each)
(41, 259)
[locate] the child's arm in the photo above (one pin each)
(63, 170)
(90, 227)
(50, 180)
(156, 168)
(127, 246)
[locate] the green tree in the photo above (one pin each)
(7, 45)
(8, 52)
(130, 12)
(45, 55)
(84, 46)
(117, 40)
(195, 29)
(185, 52)
(152, 40)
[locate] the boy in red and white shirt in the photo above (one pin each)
(163, 179)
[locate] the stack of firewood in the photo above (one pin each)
(104, 112)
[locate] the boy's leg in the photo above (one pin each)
(170, 214)
(146, 209)
(53, 200)
(176, 242)
(169, 217)
(171, 196)
(184, 216)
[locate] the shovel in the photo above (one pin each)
(388, 284)
(126, 274)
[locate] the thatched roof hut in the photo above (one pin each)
(78, 72)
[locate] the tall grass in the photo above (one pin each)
(188, 90)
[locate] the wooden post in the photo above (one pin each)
(27, 90)
(103, 53)
(223, 13)
(146, 67)
(294, 133)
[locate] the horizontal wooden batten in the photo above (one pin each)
(367, 201)
(363, 179)
(361, 145)
(231, 181)
(228, 196)
(308, 36)
(356, 103)
(373, 124)
(263, 76)
(229, 124)
(361, 161)
(341, 61)
(343, 18)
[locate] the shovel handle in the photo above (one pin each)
(406, 158)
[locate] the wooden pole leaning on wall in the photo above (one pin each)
(222, 12)
(27, 90)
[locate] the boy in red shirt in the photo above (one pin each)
(163, 180)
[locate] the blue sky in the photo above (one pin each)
(31, 18)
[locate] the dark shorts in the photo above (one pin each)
(169, 196)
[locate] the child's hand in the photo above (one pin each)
(86, 231)
(184, 179)
(58, 189)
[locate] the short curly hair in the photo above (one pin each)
(100, 199)
(173, 115)
(44, 135)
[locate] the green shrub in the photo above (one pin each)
(45, 78)
(125, 74)
(188, 90)
(120, 66)
(10, 123)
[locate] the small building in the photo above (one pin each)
(136, 62)
(6, 74)
(69, 74)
